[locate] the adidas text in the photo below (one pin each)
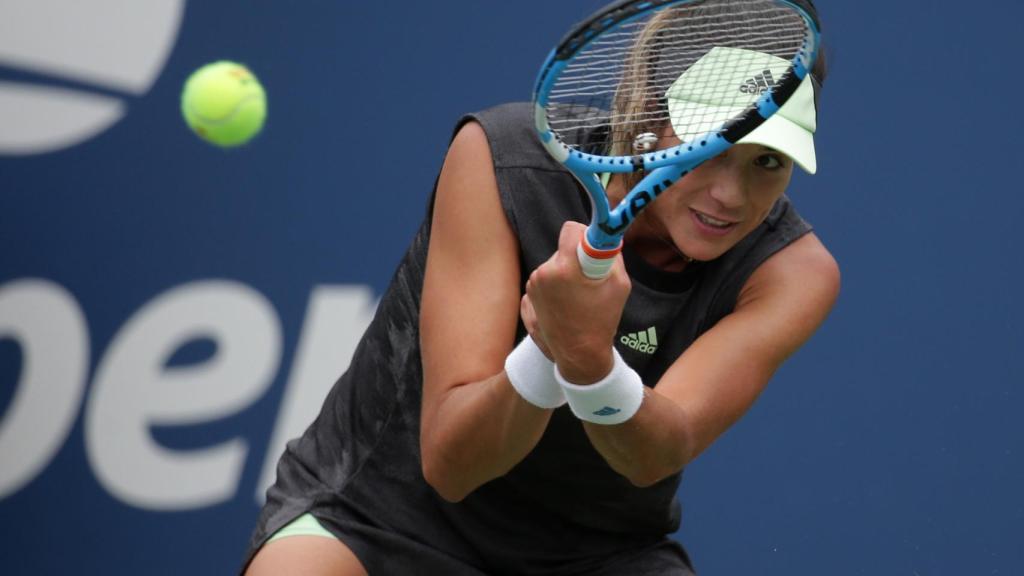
(646, 341)
(759, 84)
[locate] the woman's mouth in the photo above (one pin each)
(711, 225)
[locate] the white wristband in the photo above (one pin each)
(612, 400)
(532, 375)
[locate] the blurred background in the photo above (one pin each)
(171, 313)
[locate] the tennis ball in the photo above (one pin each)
(224, 103)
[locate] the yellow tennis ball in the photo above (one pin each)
(224, 103)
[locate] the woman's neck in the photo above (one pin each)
(655, 249)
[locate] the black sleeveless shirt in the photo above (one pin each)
(358, 468)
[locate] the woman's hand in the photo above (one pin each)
(572, 318)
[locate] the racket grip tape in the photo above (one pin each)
(596, 263)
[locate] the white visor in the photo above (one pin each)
(724, 82)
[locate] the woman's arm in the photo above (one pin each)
(474, 426)
(720, 375)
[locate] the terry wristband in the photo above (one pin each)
(612, 400)
(532, 375)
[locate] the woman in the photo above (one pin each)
(446, 447)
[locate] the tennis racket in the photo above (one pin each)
(705, 71)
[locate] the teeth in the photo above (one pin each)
(712, 221)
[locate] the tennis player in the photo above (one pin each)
(448, 448)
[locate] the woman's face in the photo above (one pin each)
(712, 208)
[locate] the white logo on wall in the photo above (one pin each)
(117, 46)
(133, 388)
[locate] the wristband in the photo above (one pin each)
(611, 400)
(531, 374)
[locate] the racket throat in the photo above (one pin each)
(646, 192)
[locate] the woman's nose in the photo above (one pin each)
(726, 184)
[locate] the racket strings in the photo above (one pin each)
(600, 77)
(615, 88)
(757, 35)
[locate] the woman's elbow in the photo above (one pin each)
(440, 475)
(443, 484)
(648, 472)
(647, 477)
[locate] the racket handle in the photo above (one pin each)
(596, 263)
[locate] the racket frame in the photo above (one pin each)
(603, 239)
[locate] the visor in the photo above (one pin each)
(724, 82)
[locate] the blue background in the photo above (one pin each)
(890, 444)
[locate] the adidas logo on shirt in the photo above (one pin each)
(646, 341)
(759, 84)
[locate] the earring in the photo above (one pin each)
(644, 142)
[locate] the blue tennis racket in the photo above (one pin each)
(640, 73)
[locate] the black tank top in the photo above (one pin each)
(664, 314)
(562, 501)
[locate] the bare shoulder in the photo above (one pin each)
(805, 267)
(795, 289)
(469, 146)
(467, 184)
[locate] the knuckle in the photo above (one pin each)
(535, 276)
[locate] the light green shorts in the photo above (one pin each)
(305, 525)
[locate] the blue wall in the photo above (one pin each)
(891, 444)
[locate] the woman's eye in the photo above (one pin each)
(769, 161)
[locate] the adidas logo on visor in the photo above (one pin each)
(759, 84)
(646, 341)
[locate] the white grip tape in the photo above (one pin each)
(612, 400)
(594, 268)
(532, 375)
